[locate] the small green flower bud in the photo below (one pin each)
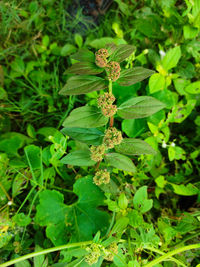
(94, 253)
(122, 201)
(111, 251)
(97, 152)
(101, 177)
(112, 137)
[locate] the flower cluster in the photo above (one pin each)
(112, 137)
(105, 102)
(111, 251)
(94, 253)
(97, 250)
(100, 57)
(97, 152)
(113, 70)
(101, 177)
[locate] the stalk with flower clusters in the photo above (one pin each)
(94, 125)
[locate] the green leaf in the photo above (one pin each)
(185, 190)
(171, 58)
(131, 146)
(85, 117)
(84, 55)
(88, 68)
(67, 50)
(140, 201)
(78, 158)
(78, 85)
(122, 52)
(24, 263)
(139, 107)
(134, 127)
(51, 212)
(39, 261)
(21, 219)
(33, 154)
(120, 162)
(90, 136)
(156, 83)
(193, 88)
(134, 75)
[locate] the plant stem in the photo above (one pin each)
(110, 91)
(45, 251)
(5, 192)
(163, 253)
(171, 253)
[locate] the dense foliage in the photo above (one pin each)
(99, 133)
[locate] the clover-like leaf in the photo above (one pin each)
(76, 222)
(140, 201)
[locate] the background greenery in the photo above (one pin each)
(41, 198)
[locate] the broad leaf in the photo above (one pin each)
(120, 162)
(78, 158)
(88, 68)
(193, 88)
(84, 55)
(171, 58)
(90, 136)
(139, 107)
(134, 75)
(132, 146)
(77, 222)
(122, 52)
(85, 117)
(83, 84)
(156, 83)
(140, 201)
(185, 190)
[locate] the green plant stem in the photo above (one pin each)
(171, 253)
(110, 91)
(163, 253)
(110, 87)
(5, 192)
(45, 251)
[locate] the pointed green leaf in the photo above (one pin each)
(120, 162)
(90, 136)
(85, 117)
(78, 85)
(140, 201)
(132, 146)
(193, 88)
(134, 75)
(139, 107)
(88, 68)
(171, 58)
(84, 55)
(122, 52)
(78, 158)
